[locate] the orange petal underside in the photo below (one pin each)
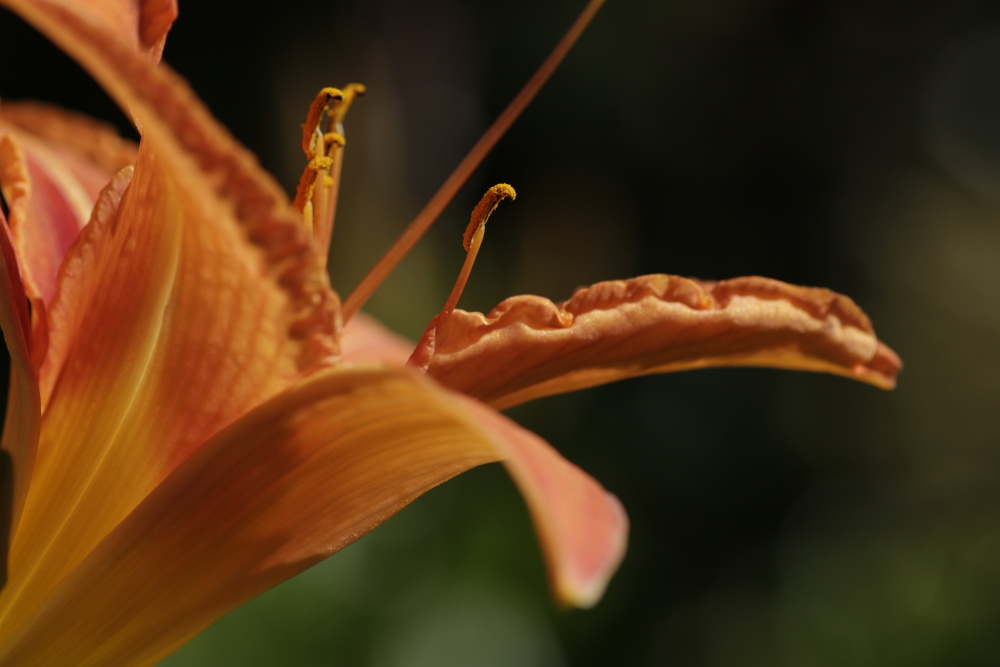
(528, 347)
(298, 478)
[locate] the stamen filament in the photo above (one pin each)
(474, 238)
(432, 210)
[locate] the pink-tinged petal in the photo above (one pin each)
(366, 340)
(582, 528)
(50, 190)
(17, 192)
(91, 150)
(528, 347)
(295, 480)
(77, 284)
(21, 425)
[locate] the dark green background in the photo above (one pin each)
(779, 519)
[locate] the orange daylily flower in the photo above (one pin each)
(189, 420)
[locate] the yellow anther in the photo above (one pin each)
(334, 139)
(319, 163)
(484, 209)
(318, 107)
(473, 238)
(339, 105)
(323, 144)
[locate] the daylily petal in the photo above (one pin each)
(177, 334)
(199, 298)
(21, 426)
(298, 478)
(50, 181)
(366, 340)
(528, 347)
(582, 528)
(208, 165)
(77, 287)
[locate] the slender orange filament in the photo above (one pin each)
(316, 195)
(474, 238)
(447, 191)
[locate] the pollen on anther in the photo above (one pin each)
(481, 213)
(474, 237)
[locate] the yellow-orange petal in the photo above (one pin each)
(528, 347)
(21, 425)
(295, 480)
(167, 327)
(199, 297)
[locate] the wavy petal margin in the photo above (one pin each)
(529, 347)
(300, 477)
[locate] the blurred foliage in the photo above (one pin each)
(779, 519)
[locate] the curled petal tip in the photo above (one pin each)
(883, 368)
(582, 528)
(582, 580)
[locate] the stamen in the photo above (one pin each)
(325, 149)
(474, 237)
(447, 191)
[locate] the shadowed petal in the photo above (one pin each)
(528, 347)
(298, 478)
(21, 425)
